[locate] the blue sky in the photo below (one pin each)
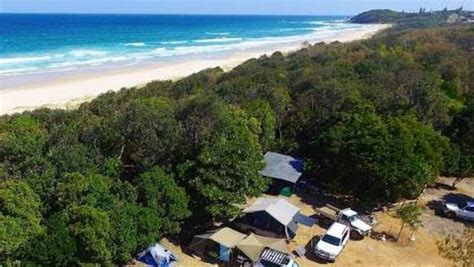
(324, 7)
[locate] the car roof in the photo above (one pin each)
(336, 229)
(349, 212)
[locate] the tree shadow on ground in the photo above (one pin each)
(310, 255)
(383, 235)
(442, 186)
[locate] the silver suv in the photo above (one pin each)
(463, 210)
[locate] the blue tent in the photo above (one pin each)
(157, 256)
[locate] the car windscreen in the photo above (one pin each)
(331, 240)
(354, 218)
(462, 205)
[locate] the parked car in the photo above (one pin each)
(348, 217)
(332, 243)
(273, 258)
(463, 210)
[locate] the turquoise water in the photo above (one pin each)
(47, 43)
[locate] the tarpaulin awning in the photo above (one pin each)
(282, 167)
(224, 236)
(253, 245)
(227, 237)
(278, 208)
(304, 220)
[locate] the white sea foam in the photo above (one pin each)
(214, 46)
(218, 40)
(173, 42)
(13, 60)
(92, 62)
(17, 70)
(295, 29)
(87, 52)
(137, 44)
(189, 50)
(218, 33)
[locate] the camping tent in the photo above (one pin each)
(273, 217)
(220, 241)
(157, 256)
(253, 245)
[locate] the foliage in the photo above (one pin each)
(410, 215)
(459, 250)
(226, 170)
(263, 112)
(460, 157)
(19, 217)
(375, 119)
(407, 19)
(396, 156)
(160, 196)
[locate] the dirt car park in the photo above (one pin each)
(433, 198)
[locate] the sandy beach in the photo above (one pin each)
(70, 91)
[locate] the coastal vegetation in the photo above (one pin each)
(378, 119)
(421, 19)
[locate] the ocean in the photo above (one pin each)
(49, 43)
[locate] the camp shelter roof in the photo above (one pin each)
(282, 167)
(278, 208)
(224, 236)
(253, 245)
(227, 237)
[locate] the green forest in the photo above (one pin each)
(377, 119)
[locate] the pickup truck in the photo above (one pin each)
(348, 217)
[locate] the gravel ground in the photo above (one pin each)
(433, 199)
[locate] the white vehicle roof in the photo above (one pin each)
(349, 212)
(336, 229)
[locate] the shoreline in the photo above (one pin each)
(70, 92)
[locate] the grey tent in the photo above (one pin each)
(282, 167)
(273, 217)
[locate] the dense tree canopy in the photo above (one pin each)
(378, 158)
(377, 119)
(460, 157)
(20, 218)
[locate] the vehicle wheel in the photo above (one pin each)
(356, 235)
(451, 214)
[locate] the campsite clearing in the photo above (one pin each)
(369, 251)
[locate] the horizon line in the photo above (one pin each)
(173, 14)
